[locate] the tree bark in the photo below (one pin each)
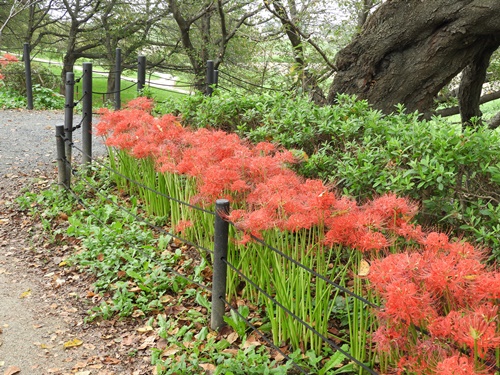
(409, 49)
(471, 83)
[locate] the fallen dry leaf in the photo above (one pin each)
(111, 361)
(364, 268)
(207, 366)
(148, 343)
(72, 343)
(252, 340)
(170, 352)
(25, 294)
(144, 329)
(11, 370)
(232, 337)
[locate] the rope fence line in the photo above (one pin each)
(135, 216)
(115, 92)
(217, 295)
(314, 273)
(231, 266)
(160, 194)
(298, 319)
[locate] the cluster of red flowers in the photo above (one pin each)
(438, 296)
(437, 285)
(7, 58)
(255, 178)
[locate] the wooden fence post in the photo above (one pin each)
(220, 267)
(87, 113)
(68, 122)
(141, 73)
(118, 76)
(210, 77)
(27, 69)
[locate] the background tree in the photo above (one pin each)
(12, 9)
(129, 28)
(79, 28)
(408, 50)
(299, 21)
(205, 29)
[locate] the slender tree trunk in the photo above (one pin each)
(471, 83)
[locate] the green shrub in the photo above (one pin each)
(10, 100)
(454, 175)
(46, 98)
(15, 77)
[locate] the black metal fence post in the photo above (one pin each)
(61, 157)
(87, 113)
(216, 78)
(210, 77)
(27, 69)
(68, 121)
(220, 267)
(141, 73)
(118, 75)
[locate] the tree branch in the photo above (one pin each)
(445, 112)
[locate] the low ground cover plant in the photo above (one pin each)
(426, 299)
(454, 175)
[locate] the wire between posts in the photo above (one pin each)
(93, 187)
(137, 183)
(249, 83)
(269, 342)
(307, 326)
(77, 80)
(114, 92)
(314, 273)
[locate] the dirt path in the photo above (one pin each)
(43, 305)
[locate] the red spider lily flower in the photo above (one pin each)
(393, 269)
(406, 304)
(442, 326)
(7, 58)
(487, 287)
(298, 221)
(388, 339)
(451, 277)
(370, 240)
(457, 365)
(477, 329)
(410, 231)
(182, 225)
(392, 209)
(141, 103)
(435, 242)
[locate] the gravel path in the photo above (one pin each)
(27, 141)
(43, 306)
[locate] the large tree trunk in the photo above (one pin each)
(409, 49)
